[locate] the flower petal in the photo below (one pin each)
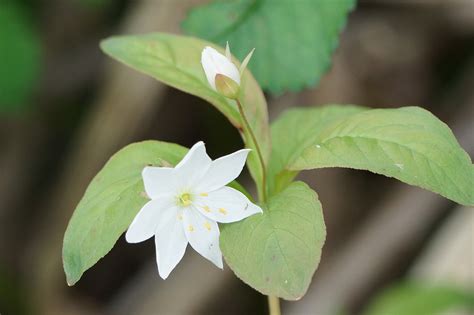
(209, 67)
(147, 220)
(223, 170)
(203, 235)
(213, 63)
(193, 166)
(226, 205)
(170, 242)
(158, 181)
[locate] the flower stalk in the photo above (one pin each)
(274, 305)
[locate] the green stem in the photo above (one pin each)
(263, 187)
(274, 305)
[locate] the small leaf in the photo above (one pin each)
(19, 55)
(294, 40)
(176, 61)
(407, 143)
(278, 251)
(420, 299)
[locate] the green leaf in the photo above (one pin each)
(176, 61)
(294, 40)
(407, 143)
(419, 299)
(278, 251)
(110, 203)
(293, 132)
(19, 55)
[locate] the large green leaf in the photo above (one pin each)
(176, 61)
(19, 55)
(294, 40)
(278, 251)
(407, 143)
(110, 203)
(420, 299)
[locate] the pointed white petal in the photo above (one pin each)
(244, 63)
(226, 205)
(148, 218)
(190, 171)
(209, 67)
(227, 51)
(158, 181)
(170, 242)
(223, 170)
(203, 235)
(214, 63)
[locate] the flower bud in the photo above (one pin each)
(226, 86)
(221, 73)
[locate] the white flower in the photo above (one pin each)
(214, 63)
(187, 202)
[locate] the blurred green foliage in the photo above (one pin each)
(294, 40)
(19, 55)
(420, 299)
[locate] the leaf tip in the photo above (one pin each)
(71, 277)
(70, 282)
(72, 268)
(104, 44)
(109, 44)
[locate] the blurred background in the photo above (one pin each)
(65, 108)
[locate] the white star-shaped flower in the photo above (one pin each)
(187, 202)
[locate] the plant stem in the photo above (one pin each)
(259, 152)
(274, 305)
(273, 301)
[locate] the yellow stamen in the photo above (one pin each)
(207, 226)
(207, 209)
(203, 194)
(190, 228)
(185, 199)
(223, 211)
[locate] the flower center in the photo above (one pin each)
(185, 199)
